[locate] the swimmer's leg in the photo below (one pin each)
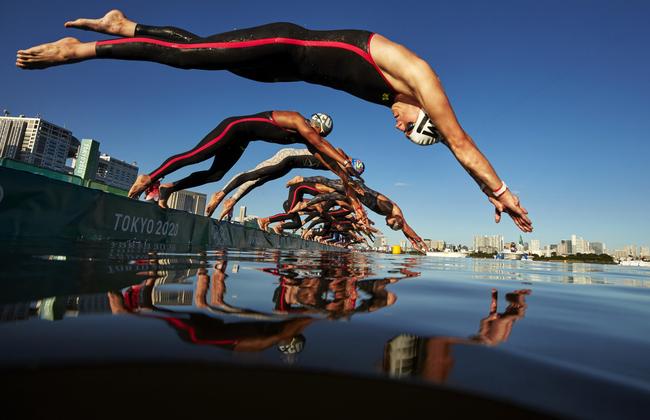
(112, 23)
(227, 51)
(220, 166)
(241, 193)
(64, 51)
(218, 142)
(116, 23)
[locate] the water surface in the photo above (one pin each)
(570, 340)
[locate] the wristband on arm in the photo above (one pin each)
(501, 190)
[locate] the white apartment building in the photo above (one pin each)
(189, 201)
(115, 172)
(535, 246)
(242, 214)
(34, 141)
(488, 244)
(579, 245)
(631, 250)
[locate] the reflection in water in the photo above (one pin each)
(430, 358)
(188, 293)
(193, 301)
(237, 307)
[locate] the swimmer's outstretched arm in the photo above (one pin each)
(480, 169)
(418, 85)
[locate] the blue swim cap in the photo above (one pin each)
(324, 122)
(358, 166)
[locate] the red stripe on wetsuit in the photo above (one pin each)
(208, 144)
(255, 43)
(293, 200)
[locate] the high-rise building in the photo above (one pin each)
(488, 244)
(115, 172)
(631, 250)
(597, 247)
(87, 159)
(535, 246)
(645, 251)
(189, 201)
(12, 132)
(564, 247)
(379, 241)
(438, 245)
(579, 245)
(35, 141)
(242, 214)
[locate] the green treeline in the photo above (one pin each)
(482, 254)
(583, 258)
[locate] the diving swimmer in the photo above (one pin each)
(275, 167)
(228, 141)
(376, 69)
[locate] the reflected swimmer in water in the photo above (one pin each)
(206, 328)
(432, 356)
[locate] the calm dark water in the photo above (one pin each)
(571, 340)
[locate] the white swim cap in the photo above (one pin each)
(324, 122)
(424, 133)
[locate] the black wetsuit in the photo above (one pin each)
(370, 198)
(296, 194)
(226, 143)
(276, 52)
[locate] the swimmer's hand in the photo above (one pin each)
(348, 169)
(419, 245)
(509, 203)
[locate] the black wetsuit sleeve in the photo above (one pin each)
(326, 197)
(332, 183)
(165, 33)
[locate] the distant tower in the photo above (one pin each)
(242, 214)
(87, 159)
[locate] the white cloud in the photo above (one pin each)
(401, 184)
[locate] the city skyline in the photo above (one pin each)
(532, 99)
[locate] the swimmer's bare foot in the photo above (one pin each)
(263, 223)
(64, 51)
(214, 202)
(140, 184)
(113, 23)
(278, 229)
(164, 191)
(227, 207)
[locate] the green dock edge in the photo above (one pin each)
(37, 207)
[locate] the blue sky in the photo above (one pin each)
(555, 93)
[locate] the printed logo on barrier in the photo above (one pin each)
(138, 224)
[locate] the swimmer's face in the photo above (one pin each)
(405, 116)
(395, 222)
(316, 127)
